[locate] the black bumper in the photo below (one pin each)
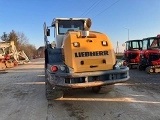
(112, 77)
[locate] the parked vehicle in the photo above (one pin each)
(80, 59)
(132, 52)
(150, 55)
(9, 56)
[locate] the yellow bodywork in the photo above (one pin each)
(90, 55)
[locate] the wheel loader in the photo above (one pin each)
(80, 58)
(150, 55)
(132, 52)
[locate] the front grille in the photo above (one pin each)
(103, 78)
(154, 57)
(75, 80)
(132, 55)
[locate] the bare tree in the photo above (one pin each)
(30, 50)
(13, 37)
(21, 43)
(22, 39)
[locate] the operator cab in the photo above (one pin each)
(63, 25)
(133, 44)
(151, 42)
(150, 55)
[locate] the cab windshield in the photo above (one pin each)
(69, 25)
(154, 42)
(151, 43)
(136, 44)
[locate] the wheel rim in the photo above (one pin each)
(151, 70)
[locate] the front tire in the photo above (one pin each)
(52, 93)
(103, 89)
(96, 89)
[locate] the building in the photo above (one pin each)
(40, 52)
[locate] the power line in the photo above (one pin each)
(100, 8)
(90, 8)
(106, 8)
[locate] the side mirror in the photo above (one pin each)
(48, 32)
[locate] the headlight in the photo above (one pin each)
(120, 64)
(104, 43)
(62, 68)
(76, 44)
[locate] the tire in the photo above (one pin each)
(141, 68)
(51, 93)
(96, 89)
(150, 70)
(106, 89)
(130, 66)
(103, 89)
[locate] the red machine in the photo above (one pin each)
(150, 55)
(9, 56)
(5, 59)
(132, 52)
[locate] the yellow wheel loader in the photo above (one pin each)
(80, 58)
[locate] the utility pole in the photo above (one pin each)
(117, 48)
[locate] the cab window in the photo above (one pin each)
(69, 25)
